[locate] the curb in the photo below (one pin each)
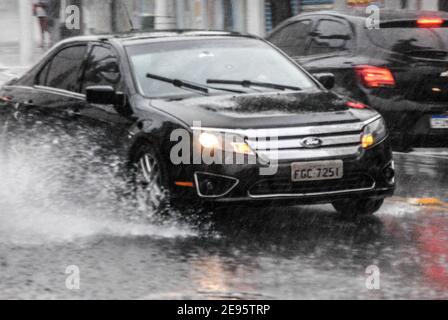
(442, 156)
(422, 201)
(428, 202)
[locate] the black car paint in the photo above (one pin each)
(152, 121)
(407, 115)
(265, 110)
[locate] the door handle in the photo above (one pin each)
(28, 103)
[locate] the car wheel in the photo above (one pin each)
(352, 209)
(150, 182)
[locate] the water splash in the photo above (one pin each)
(55, 188)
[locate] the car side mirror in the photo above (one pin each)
(327, 79)
(104, 95)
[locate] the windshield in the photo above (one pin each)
(412, 41)
(200, 60)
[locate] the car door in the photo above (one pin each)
(56, 108)
(54, 97)
(332, 39)
(111, 124)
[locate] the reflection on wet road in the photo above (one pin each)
(422, 175)
(287, 253)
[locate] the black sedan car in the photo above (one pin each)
(398, 65)
(210, 118)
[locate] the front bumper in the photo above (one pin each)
(409, 122)
(368, 175)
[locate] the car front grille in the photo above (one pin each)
(286, 144)
(285, 187)
(338, 141)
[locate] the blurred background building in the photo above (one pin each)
(17, 25)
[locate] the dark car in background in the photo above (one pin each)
(225, 92)
(399, 67)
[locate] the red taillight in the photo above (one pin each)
(428, 22)
(375, 77)
(5, 99)
(356, 105)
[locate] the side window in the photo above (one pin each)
(292, 38)
(42, 76)
(330, 36)
(65, 68)
(102, 69)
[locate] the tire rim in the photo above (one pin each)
(149, 187)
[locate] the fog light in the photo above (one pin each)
(209, 186)
(214, 186)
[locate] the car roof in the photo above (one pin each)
(386, 14)
(159, 35)
(359, 16)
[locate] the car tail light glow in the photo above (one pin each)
(356, 105)
(5, 99)
(428, 22)
(375, 77)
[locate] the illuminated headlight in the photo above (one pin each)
(224, 142)
(373, 133)
(209, 140)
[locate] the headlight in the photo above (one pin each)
(373, 133)
(225, 142)
(209, 140)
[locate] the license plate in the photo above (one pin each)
(319, 170)
(439, 122)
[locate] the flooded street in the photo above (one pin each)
(102, 99)
(275, 253)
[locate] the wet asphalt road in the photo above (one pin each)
(288, 253)
(275, 253)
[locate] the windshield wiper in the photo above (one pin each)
(248, 84)
(189, 85)
(180, 83)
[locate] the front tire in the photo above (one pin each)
(352, 209)
(150, 182)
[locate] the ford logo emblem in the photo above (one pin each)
(311, 142)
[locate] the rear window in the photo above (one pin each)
(412, 41)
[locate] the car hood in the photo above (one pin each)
(251, 111)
